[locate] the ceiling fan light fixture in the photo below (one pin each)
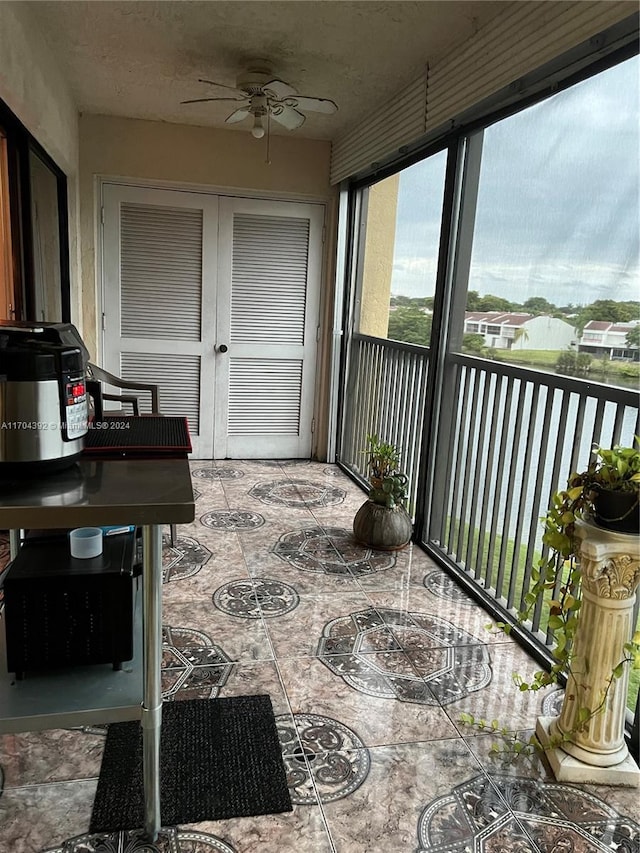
(257, 131)
(258, 93)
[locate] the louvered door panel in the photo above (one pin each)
(161, 272)
(270, 259)
(269, 279)
(178, 377)
(264, 396)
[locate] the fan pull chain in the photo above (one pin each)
(268, 160)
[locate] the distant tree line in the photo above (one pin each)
(408, 321)
(607, 310)
(412, 302)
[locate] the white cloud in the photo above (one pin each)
(558, 210)
(557, 280)
(414, 276)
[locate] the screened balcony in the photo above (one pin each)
(499, 220)
(447, 207)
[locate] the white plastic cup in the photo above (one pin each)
(85, 542)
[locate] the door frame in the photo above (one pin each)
(326, 293)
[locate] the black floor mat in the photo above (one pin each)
(219, 758)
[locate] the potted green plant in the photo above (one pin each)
(607, 494)
(383, 458)
(608, 491)
(382, 522)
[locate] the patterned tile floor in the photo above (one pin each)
(369, 660)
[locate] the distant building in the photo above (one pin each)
(509, 330)
(600, 337)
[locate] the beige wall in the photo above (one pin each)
(378, 257)
(34, 89)
(222, 159)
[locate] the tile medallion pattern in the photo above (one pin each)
(445, 587)
(332, 551)
(170, 840)
(230, 519)
(251, 599)
(217, 473)
(490, 813)
(552, 704)
(184, 559)
(338, 759)
(413, 657)
(297, 493)
(193, 666)
(421, 789)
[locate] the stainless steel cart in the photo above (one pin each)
(148, 493)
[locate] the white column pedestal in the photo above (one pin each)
(597, 752)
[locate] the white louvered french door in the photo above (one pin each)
(269, 270)
(159, 261)
(216, 300)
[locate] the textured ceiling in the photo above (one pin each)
(140, 59)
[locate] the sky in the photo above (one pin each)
(558, 205)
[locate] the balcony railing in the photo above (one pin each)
(385, 397)
(508, 438)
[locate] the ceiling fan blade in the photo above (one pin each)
(287, 116)
(202, 100)
(279, 88)
(318, 105)
(238, 115)
(223, 86)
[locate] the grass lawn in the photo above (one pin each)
(533, 358)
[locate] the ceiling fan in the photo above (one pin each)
(259, 94)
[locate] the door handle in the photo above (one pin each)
(222, 348)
